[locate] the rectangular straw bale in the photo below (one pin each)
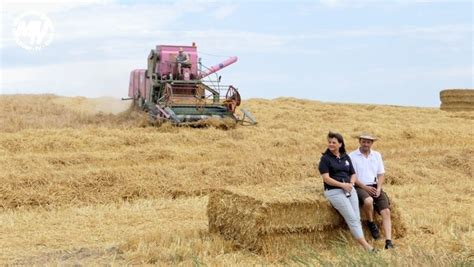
(258, 218)
(274, 218)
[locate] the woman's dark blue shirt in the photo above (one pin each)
(340, 169)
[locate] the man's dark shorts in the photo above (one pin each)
(380, 203)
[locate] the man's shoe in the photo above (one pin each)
(388, 244)
(373, 230)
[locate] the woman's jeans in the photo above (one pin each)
(348, 207)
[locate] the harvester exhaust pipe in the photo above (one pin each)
(219, 66)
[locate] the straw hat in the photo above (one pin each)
(367, 136)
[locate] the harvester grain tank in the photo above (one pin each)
(184, 91)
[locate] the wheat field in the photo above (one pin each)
(83, 183)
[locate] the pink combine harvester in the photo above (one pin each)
(178, 88)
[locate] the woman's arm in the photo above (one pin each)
(352, 172)
(331, 181)
(353, 179)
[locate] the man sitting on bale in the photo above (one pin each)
(369, 167)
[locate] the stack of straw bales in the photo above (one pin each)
(274, 219)
(457, 100)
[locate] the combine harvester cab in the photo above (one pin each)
(187, 94)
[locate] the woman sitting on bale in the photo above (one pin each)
(339, 177)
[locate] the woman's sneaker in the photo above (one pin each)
(373, 250)
(373, 230)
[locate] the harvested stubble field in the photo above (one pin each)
(79, 184)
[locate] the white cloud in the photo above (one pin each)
(13, 9)
(16, 7)
(86, 20)
(451, 72)
(347, 3)
(439, 37)
(224, 11)
(93, 78)
(100, 20)
(364, 3)
(126, 27)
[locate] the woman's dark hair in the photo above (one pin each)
(339, 138)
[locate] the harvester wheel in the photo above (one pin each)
(233, 94)
(232, 99)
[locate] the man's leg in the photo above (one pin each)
(387, 223)
(368, 208)
(382, 205)
(367, 203)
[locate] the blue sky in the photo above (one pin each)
(382, 52)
